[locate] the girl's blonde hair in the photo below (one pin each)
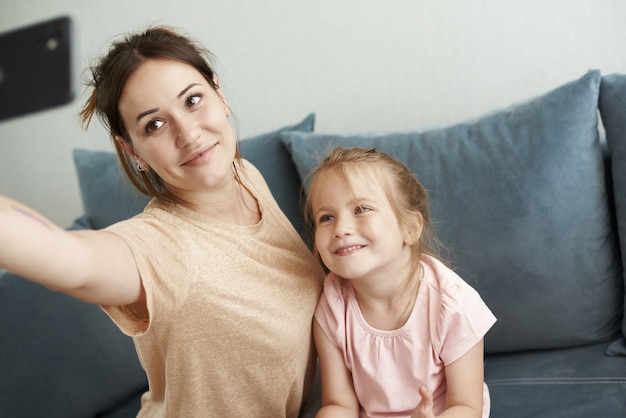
(406, 195)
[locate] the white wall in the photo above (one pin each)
(358, 64)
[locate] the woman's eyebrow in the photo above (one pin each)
(186, 89)
(156, 109)
(147, 112)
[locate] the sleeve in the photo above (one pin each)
(161, 269)
(464, 319)
(330, 312)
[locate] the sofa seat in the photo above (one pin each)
(593, 383)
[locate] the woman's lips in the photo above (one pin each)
(199, 157)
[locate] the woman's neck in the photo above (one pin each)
(232, 203)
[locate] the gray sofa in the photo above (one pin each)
(530, 202)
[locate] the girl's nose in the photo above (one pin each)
(343, 227)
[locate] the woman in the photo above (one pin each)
(211, 281)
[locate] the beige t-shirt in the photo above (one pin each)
(230, 309)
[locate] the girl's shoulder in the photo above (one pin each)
(336, 288)
(439, 277)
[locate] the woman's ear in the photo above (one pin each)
(126, 146)
(415, 229)
(220, 93)
(128, 149)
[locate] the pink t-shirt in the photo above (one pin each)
(388, 367)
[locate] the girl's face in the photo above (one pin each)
(178, 126)
(357, 233)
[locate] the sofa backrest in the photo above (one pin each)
(612, 107)
(520, 198)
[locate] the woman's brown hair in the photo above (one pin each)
(109, 76)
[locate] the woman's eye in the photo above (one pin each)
(361, 209)
(193, 100)
(153, 126)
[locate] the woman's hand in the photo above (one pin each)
(425, 408)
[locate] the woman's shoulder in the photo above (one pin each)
(250, 169)
(155, 219)
(253, 179)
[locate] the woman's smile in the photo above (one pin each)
(200, 157)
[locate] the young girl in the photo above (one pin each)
(397, 332)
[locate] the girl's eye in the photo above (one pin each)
(193, 100)
(361, 209)
(325, 218)
(153, 126)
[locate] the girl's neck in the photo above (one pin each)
(388, 304)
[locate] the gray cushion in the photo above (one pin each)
(519, 198)
(106, 193)
(108, 197)
(612, 106)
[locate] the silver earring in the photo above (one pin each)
(140, 168)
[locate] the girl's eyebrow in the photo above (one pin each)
(320, 209)
(156, 109)
(363, 200)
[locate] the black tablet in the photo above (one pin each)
(36, 70)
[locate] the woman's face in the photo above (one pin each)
(178, 126)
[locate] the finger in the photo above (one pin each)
(425, 406)
(427, 397)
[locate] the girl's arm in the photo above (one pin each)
(465, 379)
(338, 397)
(93, 266)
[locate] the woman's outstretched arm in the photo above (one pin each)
(93, 266)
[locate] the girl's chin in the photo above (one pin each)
(348, 274)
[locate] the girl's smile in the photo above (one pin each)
(357, 233)
(349, 250)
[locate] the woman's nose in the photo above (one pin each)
(186, 132)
